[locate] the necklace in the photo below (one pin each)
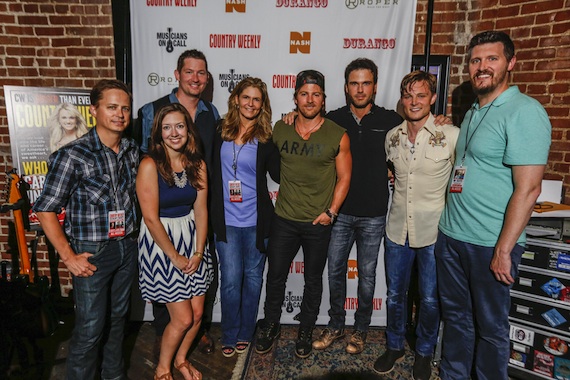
(303, 136)
(181, 181)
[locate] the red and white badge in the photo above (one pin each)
(116, 223)
(235, 191)
(459, 173)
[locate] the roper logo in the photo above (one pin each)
(352, 272)
(153, 79)
(352, 4)
(235, 6)
(300, 43)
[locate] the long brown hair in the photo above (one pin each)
(262, 127)
(192, 154)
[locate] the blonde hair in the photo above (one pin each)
(262, 128)
(56, 131)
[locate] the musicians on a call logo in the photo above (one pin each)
(170, 39)
(230, 79)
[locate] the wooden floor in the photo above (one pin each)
(47, 360)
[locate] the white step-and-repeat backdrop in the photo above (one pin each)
(274, 40)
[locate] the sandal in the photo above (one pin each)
(241, 347)
(164, 376)
(228, 351)
(190, 368)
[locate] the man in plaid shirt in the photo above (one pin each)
(93, 177)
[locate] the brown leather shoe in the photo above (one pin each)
(356, 343)
(327, 337)
(206, 345)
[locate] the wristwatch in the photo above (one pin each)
(331, 215)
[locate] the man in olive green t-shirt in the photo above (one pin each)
(316, 166)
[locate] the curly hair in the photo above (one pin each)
(56, 131)
(192, 154)
(262, 128)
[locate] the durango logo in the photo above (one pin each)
(300, 43)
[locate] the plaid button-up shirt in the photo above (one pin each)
(89, 180)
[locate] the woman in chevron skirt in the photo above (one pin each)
(175, 266)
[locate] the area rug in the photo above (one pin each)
(332, 363)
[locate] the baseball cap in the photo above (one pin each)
(310, 77)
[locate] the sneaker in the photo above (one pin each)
(356, 343)
(327, 337)
(422, 367)
(385, 363)
(303, 346)
(266, 336)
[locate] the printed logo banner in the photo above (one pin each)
(274, 40)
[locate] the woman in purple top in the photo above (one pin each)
(241, 208)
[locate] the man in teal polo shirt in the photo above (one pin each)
(501, 154)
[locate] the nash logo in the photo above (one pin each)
(300, 43)
(352, 272)
(170, 39)
(235, 6)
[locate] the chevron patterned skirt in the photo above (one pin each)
(161, 281)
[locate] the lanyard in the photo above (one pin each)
(235, 160)
(467, 138)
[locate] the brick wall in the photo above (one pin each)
(541, 33)
(70, 44)
(51, 44)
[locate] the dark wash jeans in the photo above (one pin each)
(368, 233)
(285, 238)
(469, 292)
(101, 305)
(399, 261)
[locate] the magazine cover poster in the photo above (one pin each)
(40, 121)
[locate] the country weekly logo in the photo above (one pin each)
(300, 42)
(230, 79)
(235, 6)
(353, 4)
(170, 39)
(302, 3)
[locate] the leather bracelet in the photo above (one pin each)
(331, 215)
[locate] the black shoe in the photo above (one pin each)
(266, 336)
(304, 345)
(385, 363)
(422, 367)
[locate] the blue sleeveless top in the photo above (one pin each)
(173, 201)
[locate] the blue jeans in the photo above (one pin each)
(241, 275)
(101, 305)
(367, 232)
(285, 239)
(399, 261)
(471, 295)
